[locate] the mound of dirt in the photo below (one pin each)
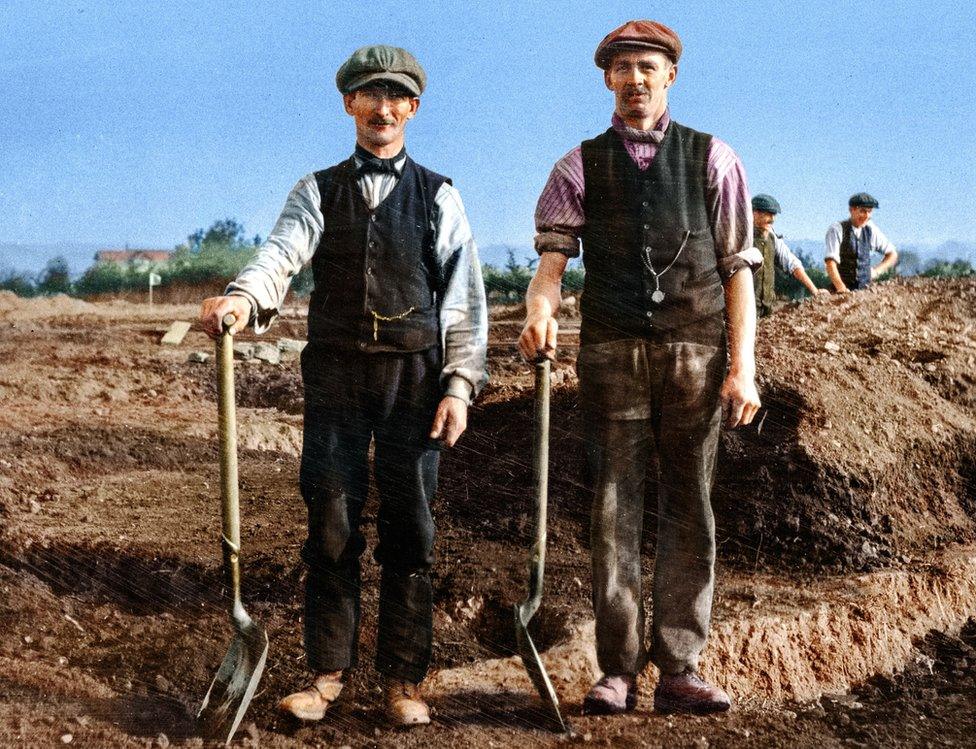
(13, 307)
(863, 453)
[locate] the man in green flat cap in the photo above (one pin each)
(775, 253)
(397, 332)
(849, 245)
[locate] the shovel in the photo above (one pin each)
(537, 558)
(239, 673)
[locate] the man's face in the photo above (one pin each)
(639, 80)
(860, 215)
(762, 220)
(381, 114)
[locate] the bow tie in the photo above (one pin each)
(370, 164)
(377, 166)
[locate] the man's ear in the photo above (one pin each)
(414, 105)
(606, 78)
(347, 100)
(672, 74)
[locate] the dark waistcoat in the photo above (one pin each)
(375, 272)
(764, 281)
(638, 221)
(855, 256)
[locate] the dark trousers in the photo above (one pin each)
(352, 400)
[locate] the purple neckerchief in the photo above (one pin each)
(642, 145)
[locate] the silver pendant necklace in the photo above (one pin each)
(658, 296)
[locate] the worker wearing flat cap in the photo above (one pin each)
(668, 325)
(775, 255)
(849, 246)
(397, 332)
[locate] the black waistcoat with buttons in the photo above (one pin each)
(375, 271)
(642, 223)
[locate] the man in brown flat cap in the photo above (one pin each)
(397, 329)
(668, 325)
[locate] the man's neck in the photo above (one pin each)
(644, 123)
(384, 152)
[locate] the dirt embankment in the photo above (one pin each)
(111, 621)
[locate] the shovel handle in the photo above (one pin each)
(229, 500)
(540, 470)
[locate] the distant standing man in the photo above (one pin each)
(397, 329)
(664, 218)
(850, 244)
(775, 253)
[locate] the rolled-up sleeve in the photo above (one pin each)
(785, 258)
(729, 206)
(266, 278)
(832, 243)
(881, 243)
(559, 216)
(463, 307)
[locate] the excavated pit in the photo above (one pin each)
(845, 525)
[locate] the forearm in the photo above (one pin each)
(833, 273)
(886, 264)
(740, 321)
(544, 294)
(801, 275)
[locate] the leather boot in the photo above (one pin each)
(687, 693)
(311, 703)
(405, 705)
(611, 695)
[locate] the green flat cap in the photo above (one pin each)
(380, 62)
(765, 203)
(862, 200)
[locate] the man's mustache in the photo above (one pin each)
(631, 90)
(382, 122)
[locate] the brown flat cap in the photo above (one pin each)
(380, 62)
(640, 34)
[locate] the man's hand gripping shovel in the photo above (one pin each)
(537, 559)
(239, 673)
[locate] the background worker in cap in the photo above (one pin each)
(664, 218)
(775, 253)
(850, 244)
(397, 329)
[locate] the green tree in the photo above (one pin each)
(948, 269)
(55, 278)
(18, 282)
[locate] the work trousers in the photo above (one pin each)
(640, 397)
(350, 400)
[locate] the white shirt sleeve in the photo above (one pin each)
(880, 243)
(463, 307)
(291, 244)
(833, 240)
(785, 258)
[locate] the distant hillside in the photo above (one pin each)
(31, 258)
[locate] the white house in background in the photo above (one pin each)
(138, 259)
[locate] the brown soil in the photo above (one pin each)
(111, 621)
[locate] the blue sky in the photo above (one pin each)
(134, 123)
